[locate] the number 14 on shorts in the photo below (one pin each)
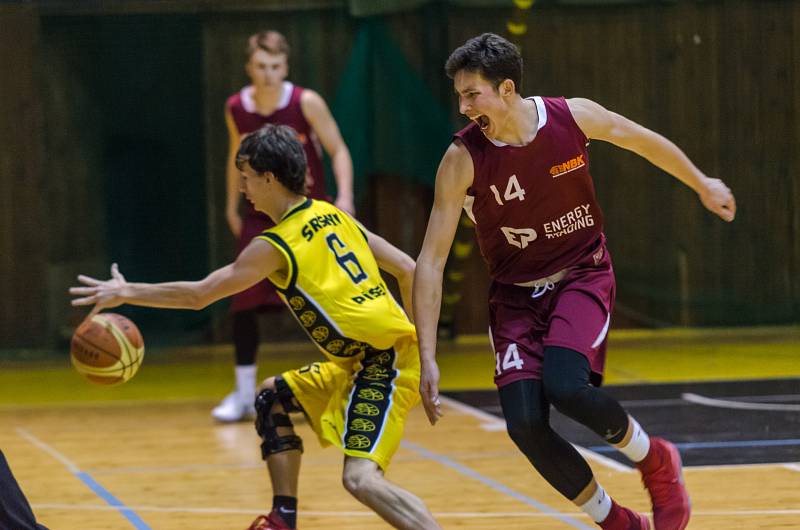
(508, 360)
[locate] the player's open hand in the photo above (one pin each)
(429, 390)
(718, 198)
(103, 294)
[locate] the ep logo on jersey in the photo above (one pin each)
(519, 237)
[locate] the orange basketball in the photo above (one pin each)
(107, 349)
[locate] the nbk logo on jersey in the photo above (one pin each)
(568, 166)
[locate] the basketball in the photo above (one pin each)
(107, 349)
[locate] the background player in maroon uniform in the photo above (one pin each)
(521, 171)
(270, 98)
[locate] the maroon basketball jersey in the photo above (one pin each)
(534, 206)
(247, 119)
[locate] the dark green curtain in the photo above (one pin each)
(388, 116)
(365, 8)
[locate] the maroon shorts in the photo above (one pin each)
(262, 295)
(575, 314)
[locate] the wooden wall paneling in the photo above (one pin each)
(794, 139)
(687, 108)
(755, 126)
(74, 184)
(23, 220)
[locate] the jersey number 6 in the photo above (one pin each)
(346, 259)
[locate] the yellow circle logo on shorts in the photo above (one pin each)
(358, 441)
(371, 394)
(383, 358)
(334, 346)
(297, 302)
(308, 318)
(320, 333)
(354, 348)
(375, 373)
(366, 409)
(360, 424)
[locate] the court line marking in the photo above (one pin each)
(212, 468)
(69, 464)
(490, 423)
(90, 403)
(723, 467)
(464, 470)
(364, 514)
(718, 444)
(87, 480)
(494, 424)
(697, 399)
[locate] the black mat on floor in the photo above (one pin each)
(739, 422)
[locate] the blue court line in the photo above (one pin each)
(464, 470)
(712, 445)
(104, 494)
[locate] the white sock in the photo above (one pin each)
(639, 444)
(598, 506)
(246, 383)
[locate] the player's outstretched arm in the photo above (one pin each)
(258, 260)
(453, 178)
(395, 262)
(599, 123)
(321, 120)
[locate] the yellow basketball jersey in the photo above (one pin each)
(332, 284)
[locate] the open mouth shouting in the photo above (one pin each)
(482, 121)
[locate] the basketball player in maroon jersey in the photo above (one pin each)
(521, 171)
(270, 98)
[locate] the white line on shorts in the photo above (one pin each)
(740, 405)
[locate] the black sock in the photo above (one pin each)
(286, 508)
(245, 337)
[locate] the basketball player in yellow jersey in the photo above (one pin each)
(325, 266)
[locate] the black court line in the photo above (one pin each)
(705, 435)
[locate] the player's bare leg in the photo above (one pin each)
(284, 467)
(402, 509)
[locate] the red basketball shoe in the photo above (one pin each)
(620, 518)
(273, 521)
(662, 476)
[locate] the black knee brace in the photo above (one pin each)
(267, 422)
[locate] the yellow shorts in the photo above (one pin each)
(361, 409)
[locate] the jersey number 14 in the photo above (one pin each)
(511, 359)
(513, 191)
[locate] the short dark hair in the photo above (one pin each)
(490, 55)
(269, 41)
(275, 149)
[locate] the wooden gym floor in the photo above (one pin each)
(146, 455)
